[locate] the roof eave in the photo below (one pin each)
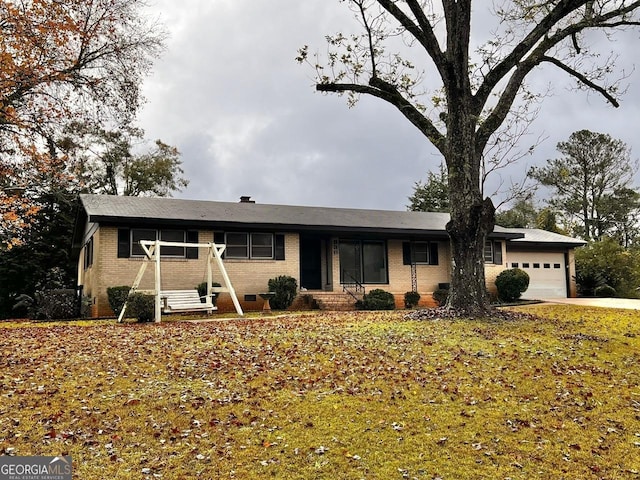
(294, 227)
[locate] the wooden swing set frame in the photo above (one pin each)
(152, 253)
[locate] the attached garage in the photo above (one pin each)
(548, 259)
(547, 273)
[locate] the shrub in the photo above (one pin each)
(511, 283)
(285, 289)
(411, 299)
(202, 292)
(58, 304)
(607, 263)
(440, 295)
(117, 296)
(85, 307)
(24, 306)
(605, 291)
(377, 299)
(141, 306)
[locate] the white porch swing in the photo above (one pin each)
(182, 300)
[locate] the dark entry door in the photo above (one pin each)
(311, 263)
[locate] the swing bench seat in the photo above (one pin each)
(177, 301)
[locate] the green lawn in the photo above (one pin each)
(329, 396)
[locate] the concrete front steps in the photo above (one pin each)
(333, 301)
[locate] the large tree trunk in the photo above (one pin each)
(468, 230)
(472, 218)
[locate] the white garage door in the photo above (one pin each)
(546, 273)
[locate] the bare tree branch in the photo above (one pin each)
(386, 91)
(423, 33)
(583, 79)
(542, 28)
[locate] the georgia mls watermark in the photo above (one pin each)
(35, 468)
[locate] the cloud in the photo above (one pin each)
(248, 121)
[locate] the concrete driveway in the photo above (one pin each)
(628, 303)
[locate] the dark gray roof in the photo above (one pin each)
(537, 236)
(170, 211)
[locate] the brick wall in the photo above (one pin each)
(247, 276)
(250, 277)
(428, 276)
(491, 272)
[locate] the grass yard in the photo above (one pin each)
(329, 396)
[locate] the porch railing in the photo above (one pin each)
(352, 286)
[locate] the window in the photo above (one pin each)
(88, 254)
(423, 253)
(237, 245)
(363, 261)
(250, 245)
(172, 236)
(493, 252)
(525, 265)
(547, 265)
(261, 245)
(374, 262)
(488, 252)
(556, 265)
(138, 234)
(129, 242)
(514, 265)
(536, 265)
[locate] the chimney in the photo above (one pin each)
(246, 199)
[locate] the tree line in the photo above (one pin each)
(591, 196)
(70, 77)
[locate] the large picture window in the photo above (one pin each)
(363, 261)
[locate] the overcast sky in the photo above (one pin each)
(247, 120)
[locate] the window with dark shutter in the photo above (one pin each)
(279, 250)
(406, 253)
(218, 239)
(138, 234)
(424, 253)
(192, 252)
(433, 253)
(123, 243)
(497, 253)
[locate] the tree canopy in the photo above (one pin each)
(62, 62)
(119, 163)
(400, 44)
(591, 185)
(431, 195)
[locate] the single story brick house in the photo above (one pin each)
(328, 250)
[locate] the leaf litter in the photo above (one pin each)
(540, 391)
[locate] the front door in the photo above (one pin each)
(311, 263)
